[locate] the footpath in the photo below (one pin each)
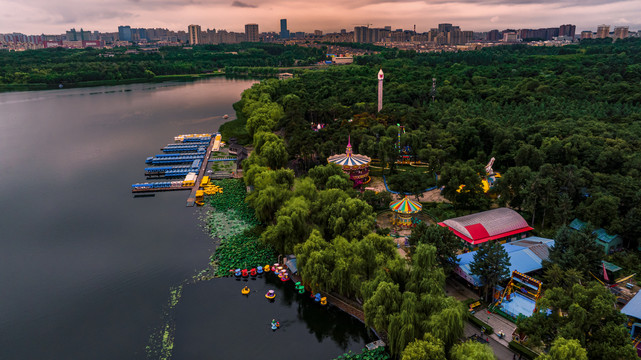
(500, 346)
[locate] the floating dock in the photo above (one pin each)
(217, 142)
(191, 148)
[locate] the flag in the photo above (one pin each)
(605, 273)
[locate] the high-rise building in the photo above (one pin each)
(444, 28)
(620, 32)
(124, 33)
(251, 32)
(586, 34)
(603, 31)
(568, 30)
(493, 35)
(194, 34)
(284, 33)
(318, 32)
(361, 34)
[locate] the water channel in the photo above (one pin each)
(86, 268)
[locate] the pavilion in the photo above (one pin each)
(355, 165)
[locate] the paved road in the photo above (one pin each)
(500, 351)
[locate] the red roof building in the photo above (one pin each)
(502, 224)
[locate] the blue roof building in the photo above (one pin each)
(525, 255)
(608, 242)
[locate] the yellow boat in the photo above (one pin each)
(245, 290)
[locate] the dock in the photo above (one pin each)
(191, 200)
(181, 153)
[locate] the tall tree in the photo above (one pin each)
(472, 350)
(446, 243)
(491, 264)
(563, 349)
(576, 249)
(587, 314)
(430, 348)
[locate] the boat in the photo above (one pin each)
(266, 268)
(252, 272)
(275, 324)
(323, 301)
(271, 294)
(236, 272)
(245, 273)
(284, 276)
(245, 291)
(259, 270)
(225, 116)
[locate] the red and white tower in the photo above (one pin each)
(380, 89)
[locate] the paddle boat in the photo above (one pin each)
(245, 273)
(245, 291)
(275, 324)
(299, 287)
(323, 301)
(284, 276)
(252, 272)
(275, 267)
(266, 268)
(259, 270)
(236, 272)
(317, 297)
(271, 294)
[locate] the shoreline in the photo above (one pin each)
(156, 79)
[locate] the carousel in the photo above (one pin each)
(404, 211)
(354, 165)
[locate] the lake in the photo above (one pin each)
(86, 268)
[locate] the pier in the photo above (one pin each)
(191, 200)
(194, 149)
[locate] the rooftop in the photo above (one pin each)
(601, 234)
(487, 225)
(525, 256)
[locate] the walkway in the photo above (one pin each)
(500, 351)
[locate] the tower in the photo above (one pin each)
(251, 32)
(284, 33)
(194, 34)
(380, 89)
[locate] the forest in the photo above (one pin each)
(72, 66)
(563, 124)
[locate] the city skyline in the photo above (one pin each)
(39, 16)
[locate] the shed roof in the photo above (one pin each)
(633, 307)
(524, 257)
(487, 225)
(600, 233)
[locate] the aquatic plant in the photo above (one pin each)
(233, 222)
(377, 354)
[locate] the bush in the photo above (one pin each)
(482, 324)
(523, 350)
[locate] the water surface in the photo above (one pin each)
(86, 268)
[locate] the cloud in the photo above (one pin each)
(243, 5)
(494, 19)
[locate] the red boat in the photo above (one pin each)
(245, 273)
(252, 272)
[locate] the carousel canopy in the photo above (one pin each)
(405, 206)
(349, 160)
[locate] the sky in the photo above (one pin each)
(57, 16)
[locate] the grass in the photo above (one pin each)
(235, 128)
